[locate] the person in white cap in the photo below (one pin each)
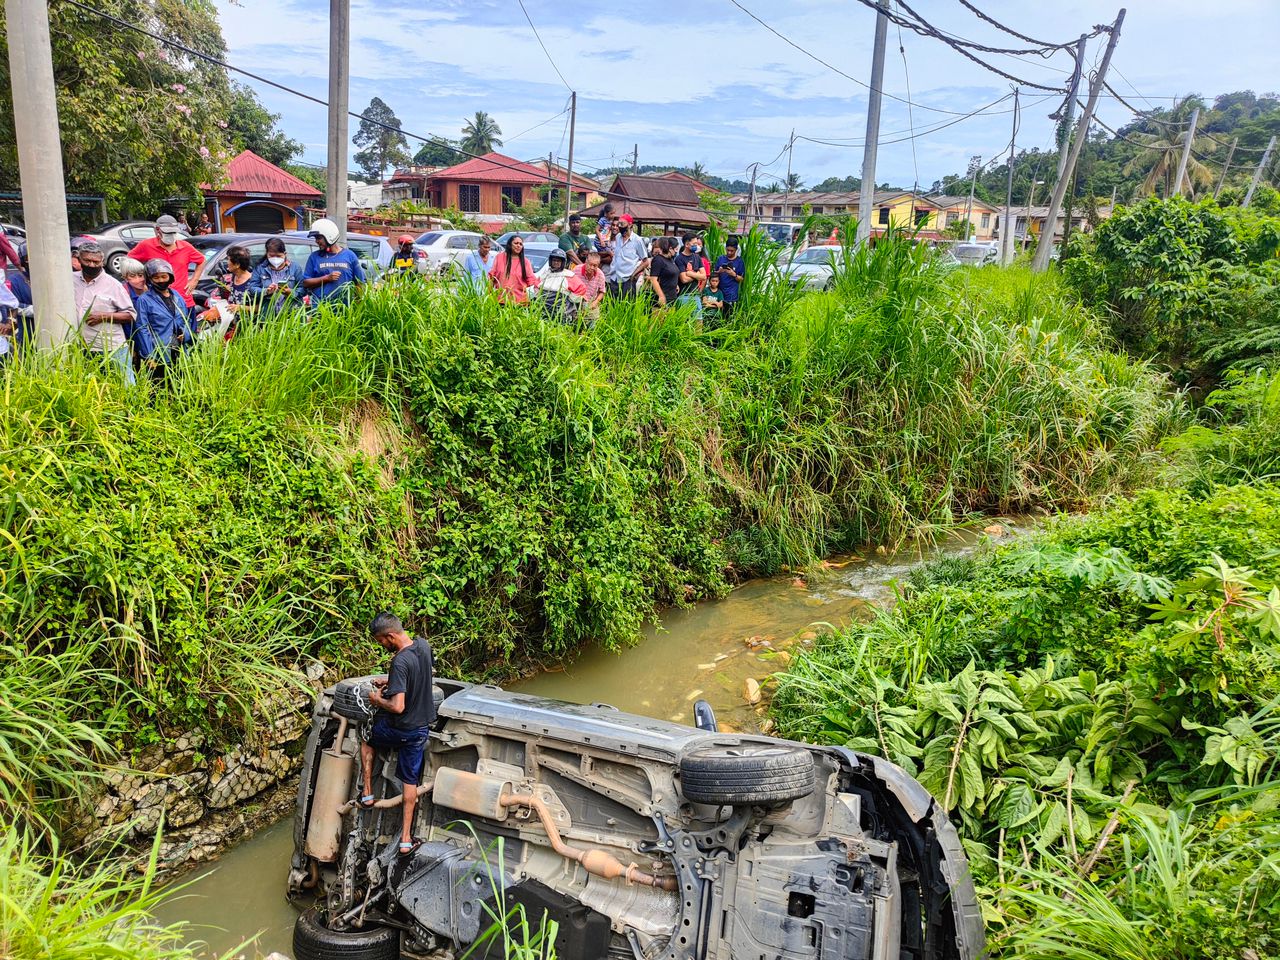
(186, 260)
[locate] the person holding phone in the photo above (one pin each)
(333, 271)
(730, 268)
(276, 280)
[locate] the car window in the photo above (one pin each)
(463, 243)
(537, 258)
(368, 249)
(298, 251)
(427, 239)
(816, 255)
(137, 234)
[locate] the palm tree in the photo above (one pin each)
(698, 171)
(793, 182)
(1160, 153)
(481, 134)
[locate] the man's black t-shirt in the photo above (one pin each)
(688, 261)
(663, 269)
(410, 673)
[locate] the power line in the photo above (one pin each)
(544, 47)
(923, 133)
(1000, 26)
(543, 123)
(911, 120)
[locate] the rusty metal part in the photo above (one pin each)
(386, 803)
(472, 793)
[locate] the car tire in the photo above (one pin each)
(746, 773)
(312, 940)
(114, 261)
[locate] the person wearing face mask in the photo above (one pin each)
(167, 245)
(277, 280)
(103, 308)
(689, 262)
(629, 260)
(164, 328)
(235, 294)
(333, 271)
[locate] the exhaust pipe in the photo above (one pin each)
(333, 786)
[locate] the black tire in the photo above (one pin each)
(114, 261)
(312, 940)
(742, 774)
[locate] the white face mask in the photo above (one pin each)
(276, 262)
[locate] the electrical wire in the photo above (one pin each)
(923, 133)
(538, 37)
(1000, 26)
(543, 123)
(911, 120)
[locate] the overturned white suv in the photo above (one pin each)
(642, 839)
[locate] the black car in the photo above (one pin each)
(214, 246)
(119, 237)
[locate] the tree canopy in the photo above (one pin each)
(251, 126)
(141, 122)
(384, 144)
(438, 153)
(481, 134)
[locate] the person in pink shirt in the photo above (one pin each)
(511, 273)
(593, 280)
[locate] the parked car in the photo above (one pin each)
(374, 252)
(640, 838)
(445, 248)
(529, 236)
(975, 254)
(214, 246)
(13, 231)
(537, 251)
(118, 238)
(779, 232)
(812, 268)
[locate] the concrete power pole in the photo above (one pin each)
(44, 197)
(1257, 174)
(1006, 233)
(1225, 167)
(1045, 246)
(791, 148)
(748, 215)
(1073, 93)
(568, 176)
(339, 100)
(867, 195)
(635, 159)
(1186, 150)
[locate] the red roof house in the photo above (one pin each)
(258, 197)
(488, 186)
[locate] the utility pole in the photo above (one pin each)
(749, 214)
(44, 197)
(1186, 150)
(791, 147)
(1006, 236)
(1031, 196)
(1257, 174)
(871, 144)
(339, 99)
(568, 177)
(1073, 93)
(1045, 246)
(975, 164)
(1225, 167)
(635, 159)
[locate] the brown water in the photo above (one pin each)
(708, 651)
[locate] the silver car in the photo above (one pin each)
(813, 268)
(642, 839)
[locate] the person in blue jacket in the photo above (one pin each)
(164, 327)
(276, 280)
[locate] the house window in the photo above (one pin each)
(986, 221)
(922, 216)
(817, 210)
(469, 197)
(511, 197)
(884, 216)
(797, 211)
(777, 213)
(837, 209)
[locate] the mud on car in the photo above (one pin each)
(642, 839)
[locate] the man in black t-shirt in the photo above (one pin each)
(406, 709)
(664, 278)
(691, 275)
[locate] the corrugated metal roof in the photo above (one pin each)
(486, 170)
(655, 189)
(647, 212)
(249, 173)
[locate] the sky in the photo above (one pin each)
(702, 81)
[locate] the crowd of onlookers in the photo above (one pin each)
(144, 321)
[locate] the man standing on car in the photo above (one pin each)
(406, 709)
(629, 259)
(182, 256)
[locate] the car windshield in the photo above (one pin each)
(816, 255)
(537, 258)
(429, 238)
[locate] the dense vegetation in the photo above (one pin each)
(518, 488)
(1098, 706)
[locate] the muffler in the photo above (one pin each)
(333, 787)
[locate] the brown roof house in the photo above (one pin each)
(654, 200)
(258, 197)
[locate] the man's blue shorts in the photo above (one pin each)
(410, 744)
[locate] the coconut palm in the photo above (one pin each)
(481, 134)
(793, 182)
(698, 171)
(1160, 153)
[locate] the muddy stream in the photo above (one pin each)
(717, 651)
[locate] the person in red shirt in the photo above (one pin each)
(179, 254)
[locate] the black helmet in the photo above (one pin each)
(557, 255)
(156, 265)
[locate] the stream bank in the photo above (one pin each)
(722, 651)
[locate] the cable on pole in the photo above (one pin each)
(538, 37)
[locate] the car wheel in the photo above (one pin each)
(740, 774)
(312, 940)
(113, 263)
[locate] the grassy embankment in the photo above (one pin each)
(518, 489)
(1099, 706)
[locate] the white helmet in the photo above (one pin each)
(326, 229)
